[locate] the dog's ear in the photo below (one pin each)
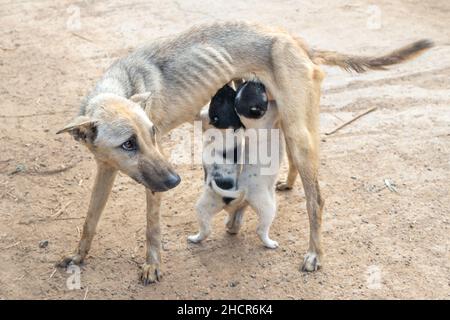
(81, 128)
(142, 98)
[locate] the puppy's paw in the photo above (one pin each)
(311, 262)
(234, 223)
(150, 273)
(233, 229)
(76, 259)
(283, 185)
(195, 238)
(271, 244)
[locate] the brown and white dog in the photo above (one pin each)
(171, 79)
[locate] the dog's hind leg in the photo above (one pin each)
(151, 270)
(292, 174)
(207, 206)
(104, 181)
(298, 93)
(304, 148)
(234, 220)
(305, 156)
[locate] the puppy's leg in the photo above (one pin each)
(104, 181)
(234, 221)
(292, 174)
(266, 216)
(151, 271)
(207, 206)
(298, 95)
(263, 203)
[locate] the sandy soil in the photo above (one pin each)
(379, 244)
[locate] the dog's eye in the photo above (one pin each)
(129, 145)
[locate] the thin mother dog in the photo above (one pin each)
(166, 83)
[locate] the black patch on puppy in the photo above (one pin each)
(224, 183)
(227, 200)
(221, 109)
(236, 155)
(251, 100)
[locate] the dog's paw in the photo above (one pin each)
(150, 273)
(283, 185)
(271, 244)
(311, 262)
(234, 223)
(195, 238)
(70, 259)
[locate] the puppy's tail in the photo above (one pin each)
(363, 64)
(236, 196)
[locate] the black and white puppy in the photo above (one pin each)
(255, 185)
(222, 145)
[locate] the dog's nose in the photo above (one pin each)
(172, 181)
(257, 112)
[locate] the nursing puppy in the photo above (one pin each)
(256, 186)
(222, 144)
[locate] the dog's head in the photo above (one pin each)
(251, 100)
(221, 110)
(119, 133)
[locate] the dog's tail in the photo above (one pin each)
(363, 64)
(235, 196)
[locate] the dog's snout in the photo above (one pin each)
(172, 181)
(157, 176)
(256, 112)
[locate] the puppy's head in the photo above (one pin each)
(221, 110)
(118, 132)
(251, 100)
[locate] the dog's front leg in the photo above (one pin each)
(151, 270)
(104, 181)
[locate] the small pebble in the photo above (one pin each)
(43, 244)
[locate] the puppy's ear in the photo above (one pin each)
(229, 86)
(236, 83)
(241, 85)
(81, 128)
(142, 98)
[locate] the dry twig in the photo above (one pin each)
(82, 37)
(350, 121)
(61, 210)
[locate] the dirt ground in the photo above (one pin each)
(379, 243)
